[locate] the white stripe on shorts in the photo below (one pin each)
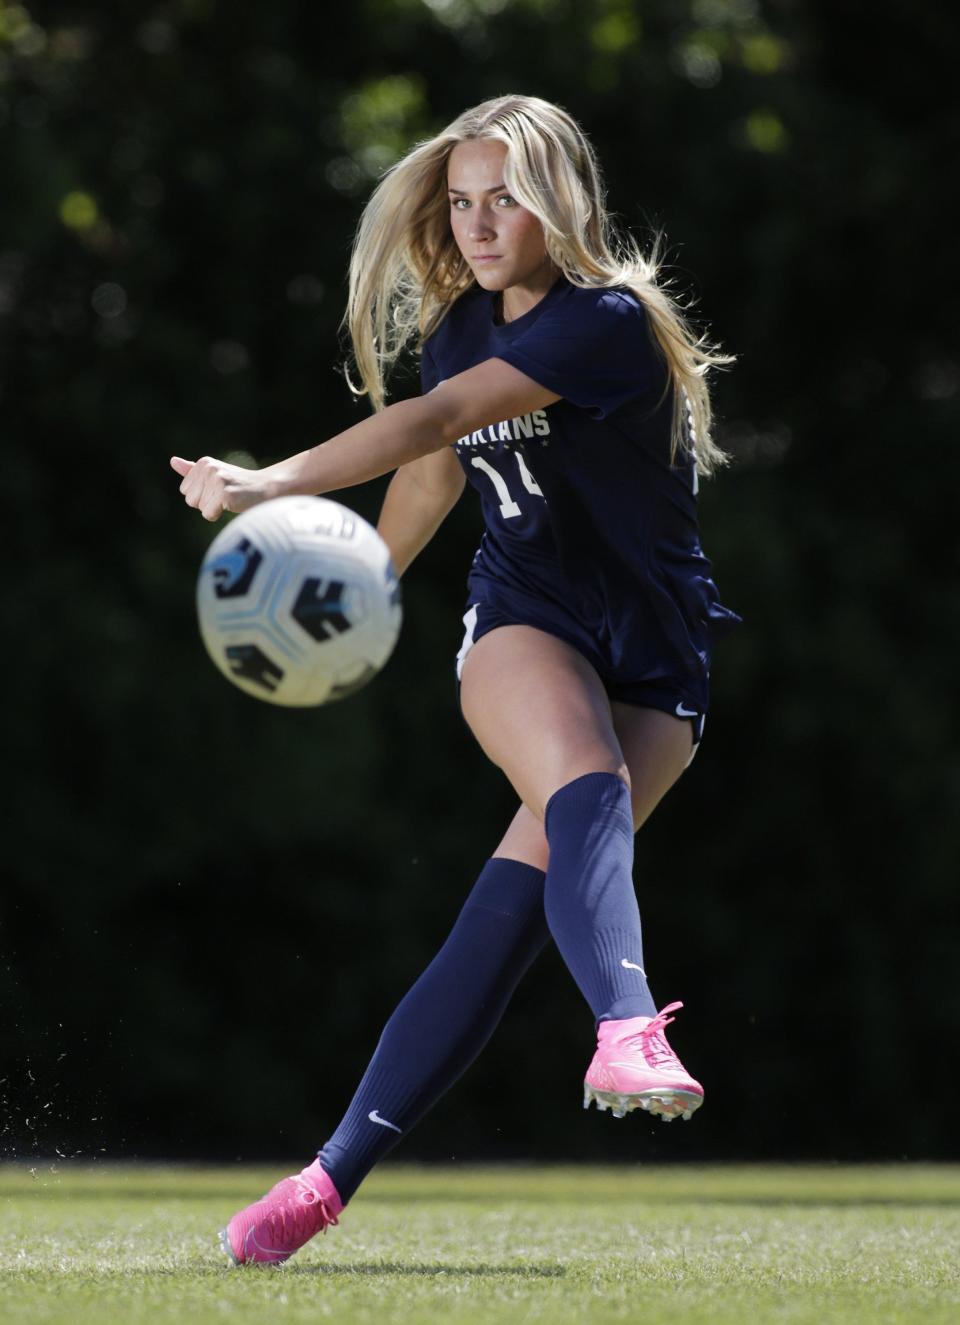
(703, 723)
(470, 621)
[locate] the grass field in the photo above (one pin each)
(681, 1245)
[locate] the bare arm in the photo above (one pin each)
(420, 496)
(404, 432)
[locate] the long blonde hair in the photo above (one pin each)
(406, 270)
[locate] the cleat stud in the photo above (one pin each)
(226, 1248)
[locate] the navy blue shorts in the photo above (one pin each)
(666, 694)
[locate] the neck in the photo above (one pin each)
(519, 299)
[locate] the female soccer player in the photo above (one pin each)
(564, 384)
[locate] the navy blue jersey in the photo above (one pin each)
(590, 531)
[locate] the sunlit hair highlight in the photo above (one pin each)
(406, 270)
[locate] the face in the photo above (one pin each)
(501, 240)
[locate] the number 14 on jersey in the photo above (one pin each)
(508, 507)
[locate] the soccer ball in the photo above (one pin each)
(298, 601)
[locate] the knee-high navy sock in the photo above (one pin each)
(444, 1021)
(590, 903)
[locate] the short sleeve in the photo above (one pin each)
(593, 348)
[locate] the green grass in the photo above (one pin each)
(756, 1246)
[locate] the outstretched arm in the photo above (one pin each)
(404, 432)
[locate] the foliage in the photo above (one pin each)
(208, 896)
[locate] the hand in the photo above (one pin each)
(212, 486)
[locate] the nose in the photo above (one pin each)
(480, 224)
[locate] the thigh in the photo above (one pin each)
(657, 748)
(539, 712)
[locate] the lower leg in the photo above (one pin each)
(592, 911)
(444, 1020)
(589, 898)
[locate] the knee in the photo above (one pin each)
(569, 776)
(638, 809)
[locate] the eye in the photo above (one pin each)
(506, 198)
(455, 203)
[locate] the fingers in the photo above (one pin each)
(213, 486)
(202, 486)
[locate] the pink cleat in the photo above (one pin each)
(277, 1225)
(635, 1068)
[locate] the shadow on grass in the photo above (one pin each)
(219, 1269)
(387, 1268)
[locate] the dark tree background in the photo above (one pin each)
(211, 905)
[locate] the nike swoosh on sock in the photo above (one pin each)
(375, 1118)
